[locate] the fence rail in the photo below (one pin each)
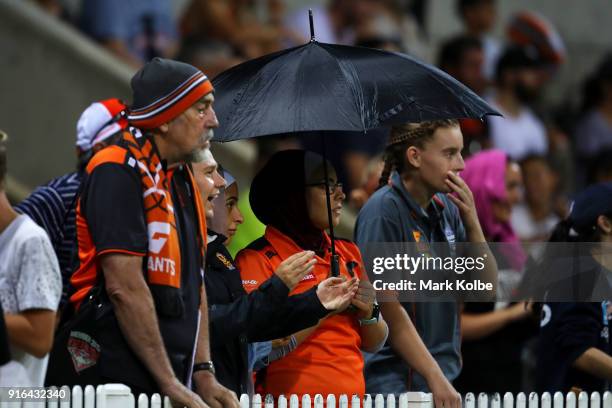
(120, 396)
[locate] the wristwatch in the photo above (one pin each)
(205, 366)
(373, 319)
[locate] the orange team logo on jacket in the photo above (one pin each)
(225, 261)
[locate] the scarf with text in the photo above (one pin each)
(164, 254)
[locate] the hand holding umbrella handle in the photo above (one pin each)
(335, 266)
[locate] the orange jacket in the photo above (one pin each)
(330, 360)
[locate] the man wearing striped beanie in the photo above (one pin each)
(174, 101)
(141, 240)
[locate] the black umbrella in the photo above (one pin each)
(330, 87)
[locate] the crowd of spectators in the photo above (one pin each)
(511, 72)
(523, 170)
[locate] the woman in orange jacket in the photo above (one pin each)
(288, 195)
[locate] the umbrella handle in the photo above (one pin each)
(335, 266)
(311, 20)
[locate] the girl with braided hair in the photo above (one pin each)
(423, 199)
(403, 136)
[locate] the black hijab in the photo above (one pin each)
(278, 196)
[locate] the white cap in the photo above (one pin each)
(99, 121)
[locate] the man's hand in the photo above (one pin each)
(464, 200)
(335, 294)
(215, 395)
(181, 396)
(445, 396)
(293, 269)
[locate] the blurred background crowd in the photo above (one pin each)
(563, 143)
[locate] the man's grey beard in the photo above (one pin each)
(201, 155)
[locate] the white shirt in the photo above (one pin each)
(29, 279)
(528, 229)
(492, 50)
(534, 233)
(518, 136)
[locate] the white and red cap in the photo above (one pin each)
(99, 121)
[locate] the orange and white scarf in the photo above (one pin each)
(164, 253)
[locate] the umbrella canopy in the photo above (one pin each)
(329, 87)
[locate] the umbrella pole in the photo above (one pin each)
(335, 266)
(311, 20)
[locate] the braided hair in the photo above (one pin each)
(404, 136)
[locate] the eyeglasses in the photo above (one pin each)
(333, 188)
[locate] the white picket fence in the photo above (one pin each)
(119, 396)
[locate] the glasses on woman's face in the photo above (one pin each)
(333, 188)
